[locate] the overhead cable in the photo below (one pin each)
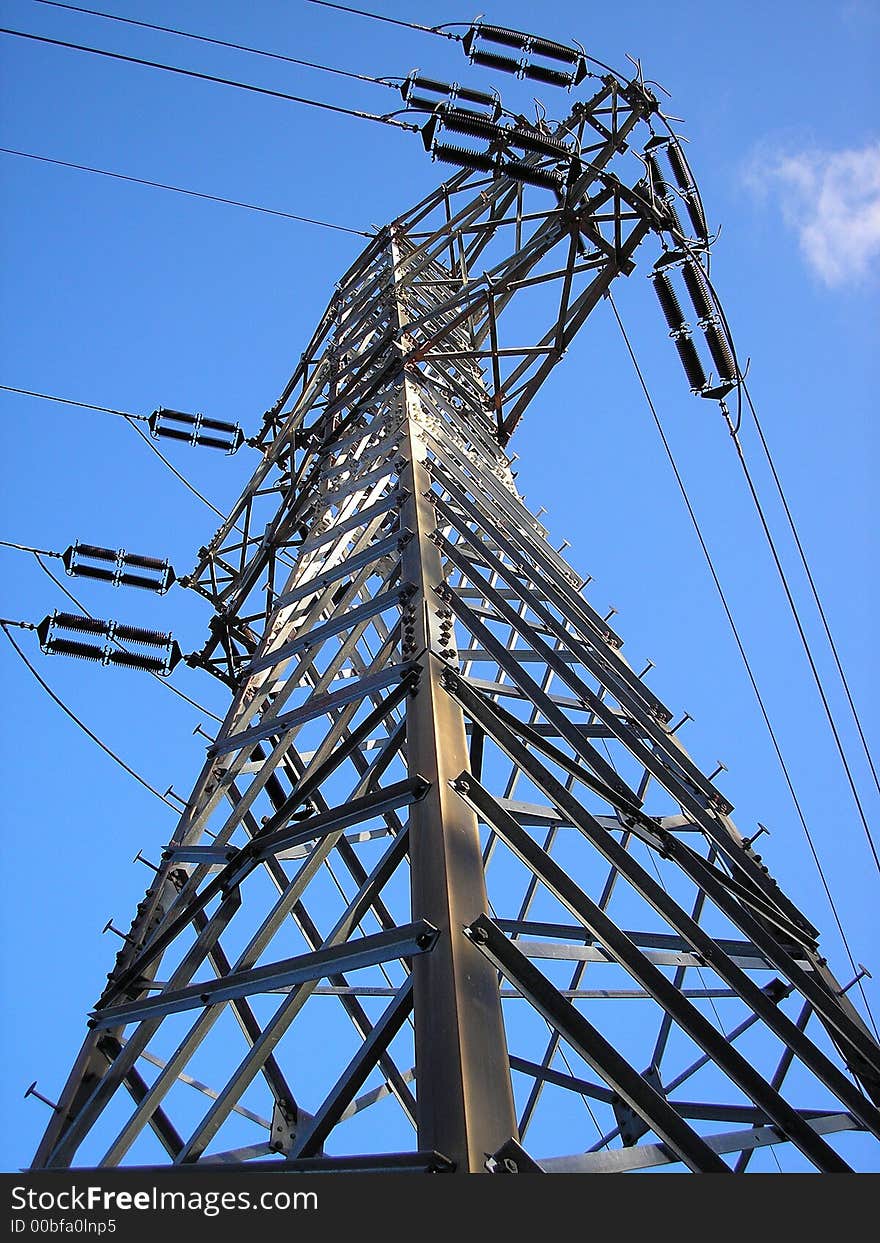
(238, 47)
(196, 194)
(742, 651)
(76, 720)
(210, 77)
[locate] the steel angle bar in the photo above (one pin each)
(358, 519)
(520, 654)
(663, 990)
(554, 588)
(414, 938)
(384, 548)
(287, 1012)
(509, 690)
(547, 1075)
(361, 483)
(590, 953)
(245, 861)
(682, 788)
(700, 941)
(698, 784)
(160, 1123)
(494, 507)
(646, 1156)
(619, 793)
(260, 1121)
(601, 1056)
(329, 755)
(357, 811)
(317, 705)
(578, 313)
(314, 637)
(744, 951)
(422, 1162)
(352, 1079)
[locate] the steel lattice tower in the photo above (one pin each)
(447, 865)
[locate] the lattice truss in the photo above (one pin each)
(448, 887)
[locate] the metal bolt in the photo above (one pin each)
(722, 768)
(139, 858)
(565, 544)
(762, 828)
(648, 667)
(32, 1091)
(687, 717)
(170, 791)
(109, 927)
(198, 730)
(862, 972)
(610, 613)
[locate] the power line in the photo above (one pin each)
(94, 737)
(805, 642)
(393, 21)
(66, 401)
(197, 194)
(742, 651)
(210, 77)
(734, 428)
(238, 47)
(186, 483)
(813, 588)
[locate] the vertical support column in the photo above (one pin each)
(465, 1103)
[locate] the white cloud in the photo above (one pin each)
(832, 201)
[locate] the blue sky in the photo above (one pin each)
(132, 298)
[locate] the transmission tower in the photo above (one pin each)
(448, 875)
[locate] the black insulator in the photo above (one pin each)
(542, 143)
(464, 121)
(176, 416)
(139, 580)
(673, 219)
(134, 660)
(555, 51)
(658, 185)
(93, 550)
(547, 178)
(144, 563)
(668, 299)
(422, 103)
(698, 289)
(427, 84)
(451, 153)
(218, 425)
(85, 625)
(719, 348)
(500, 34)
(695, 211)
(172, 433)
(551, 77)
(69, 647)
(690, 360)
(478, 97)
(136, 634)
(93, 571)
(679, 166)
(489, 60)
(216, 442)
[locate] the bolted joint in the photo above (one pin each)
(479, 936)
